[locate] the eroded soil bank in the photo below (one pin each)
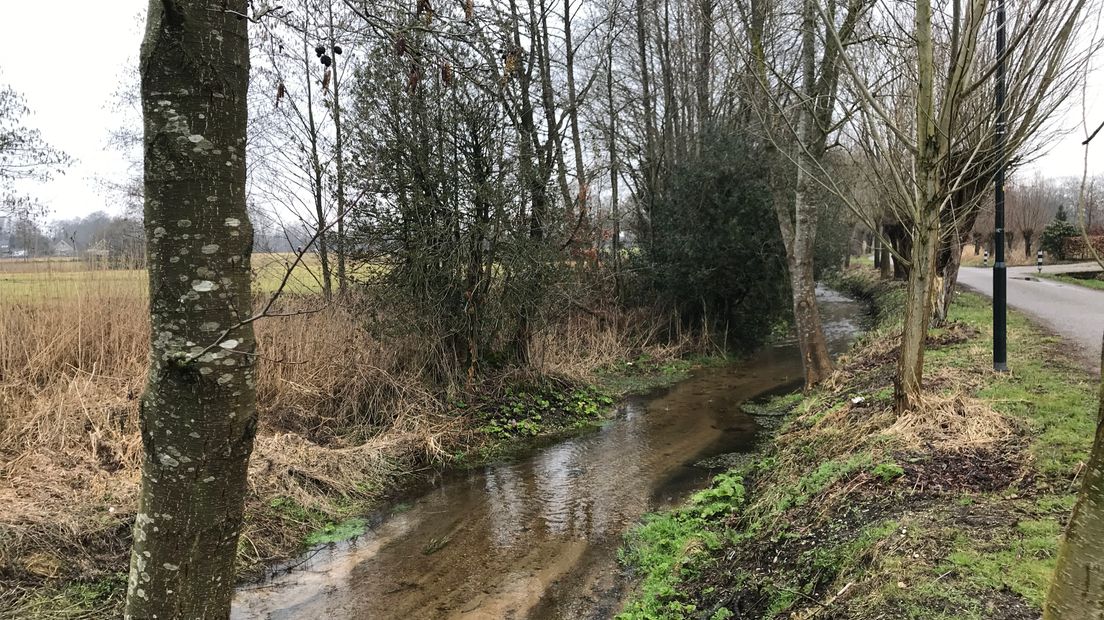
(538, 537)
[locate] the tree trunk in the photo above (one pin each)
(197, 414)
(316, 178)
(705, 63)
(816, 362)
(798, 227)
(573, 115)
(339, 160)
(921, 282)
(615, 207)
(888, 266)
(948, 282)
(672, 130)
(531, 167)
(925, 239)
(1028, 236)
(902, 244)
(543, 46)
(649, 164)
(798, 236)
(1077, 589)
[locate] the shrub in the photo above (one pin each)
(1076, 247)
(1056, 233)
(715, 252)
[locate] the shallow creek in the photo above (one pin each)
(538, 538)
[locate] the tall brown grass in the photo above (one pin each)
(341, 413)
(72, 368)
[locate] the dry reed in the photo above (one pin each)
(340, 413)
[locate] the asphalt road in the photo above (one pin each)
(1074, 312)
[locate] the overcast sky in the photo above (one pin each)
(68, 57)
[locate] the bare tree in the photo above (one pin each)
(198, 414)
(800, 132)
(923, 117)
(1029, 207)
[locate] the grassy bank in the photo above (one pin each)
(1094, 281)
(346, 422)
(287, 515)
(953, 511)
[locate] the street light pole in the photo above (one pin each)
(1000, 271)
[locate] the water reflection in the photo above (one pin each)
(538, 538)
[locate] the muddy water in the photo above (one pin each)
(538, 538)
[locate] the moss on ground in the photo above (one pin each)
(855, 512)
(644, 373)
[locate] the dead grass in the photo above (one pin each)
(71, 374)
(1014, 256)
(955, 423)
(343, 414)
(584, 343)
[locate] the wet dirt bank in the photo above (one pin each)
(538, 538)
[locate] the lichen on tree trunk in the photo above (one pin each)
(197, 414)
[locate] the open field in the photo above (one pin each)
(52, 280)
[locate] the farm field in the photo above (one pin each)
(47, 281)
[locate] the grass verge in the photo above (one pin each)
(1096, 282)
(953, 511)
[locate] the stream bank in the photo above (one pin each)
(854, 512)
(537, 537)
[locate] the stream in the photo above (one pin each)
(538, 538)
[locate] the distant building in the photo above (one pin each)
(6, 226)
(98, 249)
(63, 248)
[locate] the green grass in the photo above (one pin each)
(534, 410)
(336, 532)
(850, 503)
(644, 374)
(80, 600)
(1093, 283)
(52, 286)
(662, 549)
(1048, 392)
(1022, 564)
(866, 260)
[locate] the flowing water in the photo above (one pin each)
(538, 538)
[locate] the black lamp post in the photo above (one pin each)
(1000, 271)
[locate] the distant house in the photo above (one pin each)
(98, 249)
(63, 248)
(6, 226)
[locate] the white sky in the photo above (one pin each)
(68, 57)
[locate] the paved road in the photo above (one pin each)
(1074, 312)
